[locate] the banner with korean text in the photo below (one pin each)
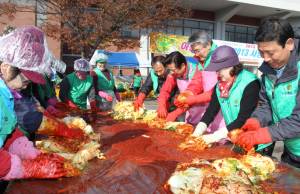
(167, 43)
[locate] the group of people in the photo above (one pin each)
(222, 96)
(28, 72)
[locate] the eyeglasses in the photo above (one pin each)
(25, 82)
(198, 51)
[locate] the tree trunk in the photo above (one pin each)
(83, 52)
(92, 52)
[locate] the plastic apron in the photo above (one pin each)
(8, 117)
(107, 87)
(192, 115)
(210, 79)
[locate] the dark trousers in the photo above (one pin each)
(3, 185)
(136, 91)
(286, 157)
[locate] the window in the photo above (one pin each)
(191, 26)
(128, 33)
(239, 34)
(187, 27)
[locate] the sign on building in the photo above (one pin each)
(167, 43)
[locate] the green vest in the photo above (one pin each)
(48, 88)
(283, 100)
(105, 85)
(137, 81)
(189, 75)
(120, 87)
(8, 118)
(79, 89)
(208, 57)
(154, 79)
(230, 106)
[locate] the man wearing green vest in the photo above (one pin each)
(155, 81)
(278, 116)
(77, 87)
(200, 85)
(103, 79)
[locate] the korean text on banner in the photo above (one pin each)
(167, 43)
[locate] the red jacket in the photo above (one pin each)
(5, 158)
(195, 86)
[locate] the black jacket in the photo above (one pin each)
(29, 118)
(289, 127)
(148, 87)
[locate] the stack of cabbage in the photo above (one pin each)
(125, 110)
(228, 175)
(125, 85)
(78, 151)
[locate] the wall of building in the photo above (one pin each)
(294, 21)
(28, 18)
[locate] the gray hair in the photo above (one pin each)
(201, 37)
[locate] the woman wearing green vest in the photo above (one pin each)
(236, 94)
(155, 81)
(104, 82)
(77, 87)
(46, 94)
(137, 82)
(26, 55)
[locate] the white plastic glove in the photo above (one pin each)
(200, 129)
(216, 136)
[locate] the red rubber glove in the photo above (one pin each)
(162, 111)
(68, 102)
(44, 166)
(94, 106)
(178, 103)
(201, 98)
(139, 101)
(109, 98)
(248, 139)
(65, 131)
(173, 115)
(192, 99)
(251, 125)
(55, 112)
(51, 126)
(61, 105)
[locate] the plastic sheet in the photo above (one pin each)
(82, 65)
(98, 56)
(26, 48)
(58, 65)
(140, 160)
